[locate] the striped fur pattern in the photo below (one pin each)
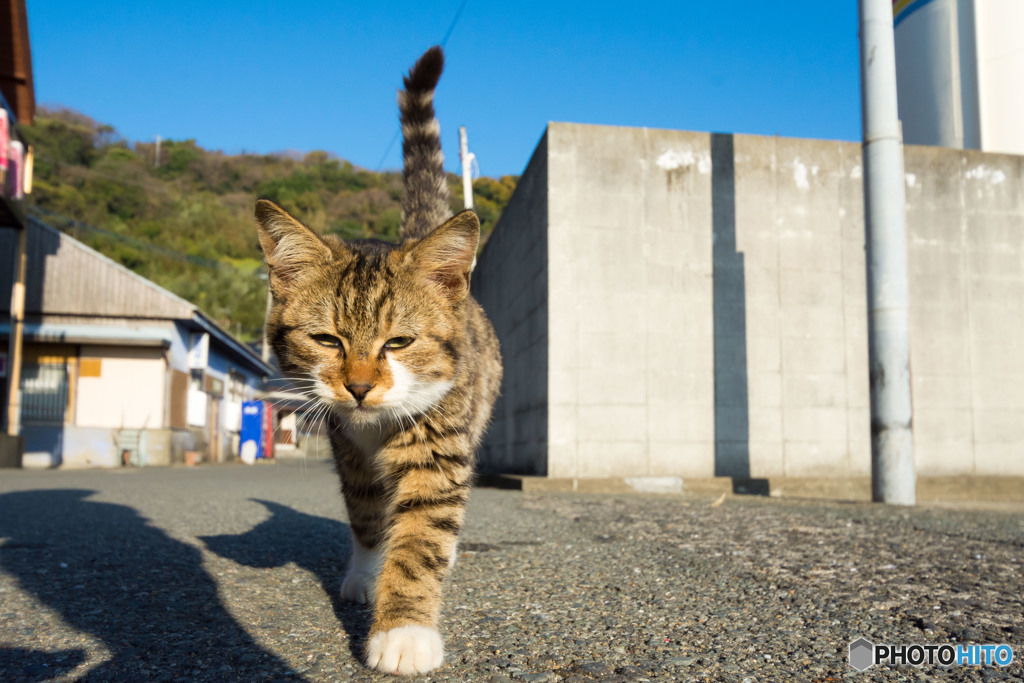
(406, 367)
(425, 200)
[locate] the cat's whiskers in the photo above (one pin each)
(425, 408)
(412, 420)
(309, 401)
(312, 417)
(323, 413)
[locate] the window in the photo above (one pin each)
(44, 392)
(236, 386)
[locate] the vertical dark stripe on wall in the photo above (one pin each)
(732, 422)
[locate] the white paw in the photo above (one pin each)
(405, 650)
(362, 574)
(358, 587)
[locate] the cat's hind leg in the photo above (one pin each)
(366, 503)
(361, 576)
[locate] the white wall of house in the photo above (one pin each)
(128, 392)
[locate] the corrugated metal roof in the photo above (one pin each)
(64, 276)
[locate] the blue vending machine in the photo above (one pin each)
(251, 438)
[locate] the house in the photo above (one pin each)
(17, 102)
(676, 306)
(116, 369)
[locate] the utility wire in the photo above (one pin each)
(444, 41)
(451, 27)
(46, 217)
(383, 158)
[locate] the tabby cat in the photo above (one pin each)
(388, 337)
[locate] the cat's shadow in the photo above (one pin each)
(319, 545)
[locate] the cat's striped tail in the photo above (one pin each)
(425, 198)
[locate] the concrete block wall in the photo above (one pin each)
(630, 382)
(965, 216)
(704, 297)
(800, 232)
(512, 275)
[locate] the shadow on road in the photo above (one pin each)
(108, 572)
(22, 664)
(319, 545)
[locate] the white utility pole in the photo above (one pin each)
(156, 157)
(467, 168)
(893, 478)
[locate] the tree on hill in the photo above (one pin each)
(184, 220)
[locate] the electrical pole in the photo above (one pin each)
(265, 350)
(156, 156)
(892, 444)
(15, 348)
(467, 168)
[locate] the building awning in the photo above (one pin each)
(242, 352)
(115, 335)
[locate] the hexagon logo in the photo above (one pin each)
(862, 654)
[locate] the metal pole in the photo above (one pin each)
(17, 327)
(467, 168)
(892, 445)
(265, 350)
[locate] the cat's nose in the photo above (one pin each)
(359, 390)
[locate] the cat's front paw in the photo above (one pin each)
(405, 650)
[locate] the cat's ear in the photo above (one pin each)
(288, 245)
(446, 255)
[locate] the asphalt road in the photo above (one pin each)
(230, 573)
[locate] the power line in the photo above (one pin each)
(444, 41)
(47, 217)
(451, 27)
(383, 158)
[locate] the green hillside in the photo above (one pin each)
(185, 220)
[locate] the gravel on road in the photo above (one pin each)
(231, 573)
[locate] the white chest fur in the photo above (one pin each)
(368, 438)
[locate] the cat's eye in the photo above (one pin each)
(327, 340)
(397, 342)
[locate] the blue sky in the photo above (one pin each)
(322, 75)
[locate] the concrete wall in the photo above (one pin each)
(512, 273)
(631, 365)
(705, 307)
(70, 446)
(965, 216)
